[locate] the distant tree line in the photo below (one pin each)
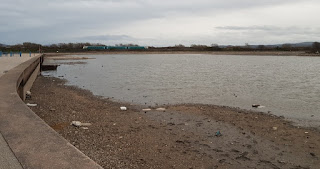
(129, 44)
(315, 48)
(78, 47)
(59, 47)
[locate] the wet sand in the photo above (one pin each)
(182, 136)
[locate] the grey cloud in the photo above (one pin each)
(61, 20)
(115, 39)
(275, 30)
(247, 28)
(267, 34)
(107, 37)
(120, 11)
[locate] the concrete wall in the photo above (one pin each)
(33, 142)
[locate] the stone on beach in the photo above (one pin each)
(255, 105)
(28, 94)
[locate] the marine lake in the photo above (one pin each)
(286, 86)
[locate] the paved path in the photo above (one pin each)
(7, 62)
(7, 158)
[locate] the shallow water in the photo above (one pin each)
(285, 85)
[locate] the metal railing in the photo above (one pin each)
(12, 54)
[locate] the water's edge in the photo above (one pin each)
(142, 82)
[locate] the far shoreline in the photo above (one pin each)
(254, 53)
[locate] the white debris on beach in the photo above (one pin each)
(31, 105)
(80, 124)
(257, 106)
(145, 110)
(123, 108)
(161, 109)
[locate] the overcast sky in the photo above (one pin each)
(160, 22)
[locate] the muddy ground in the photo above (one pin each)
(182, 136)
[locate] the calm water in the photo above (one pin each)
(288, 86)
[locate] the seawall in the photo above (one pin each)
(33, 142)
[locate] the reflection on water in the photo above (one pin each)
(288, 86)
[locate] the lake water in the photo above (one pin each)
(285, 85)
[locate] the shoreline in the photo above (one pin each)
(182, 136)
(298, 120)
(258, 53)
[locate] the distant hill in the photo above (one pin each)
(302, 44)
(3, 45)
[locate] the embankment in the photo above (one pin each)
(33, 142)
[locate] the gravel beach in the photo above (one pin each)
(182, 136)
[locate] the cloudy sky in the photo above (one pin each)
(160, 22)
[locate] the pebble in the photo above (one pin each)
(76, 123)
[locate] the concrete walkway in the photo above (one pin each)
(7, 158)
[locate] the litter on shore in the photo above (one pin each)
(123, 108)
(161, 109)
(146, 109)
(218, 134)
(31, 105)
(80, 124)
(257, 106)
